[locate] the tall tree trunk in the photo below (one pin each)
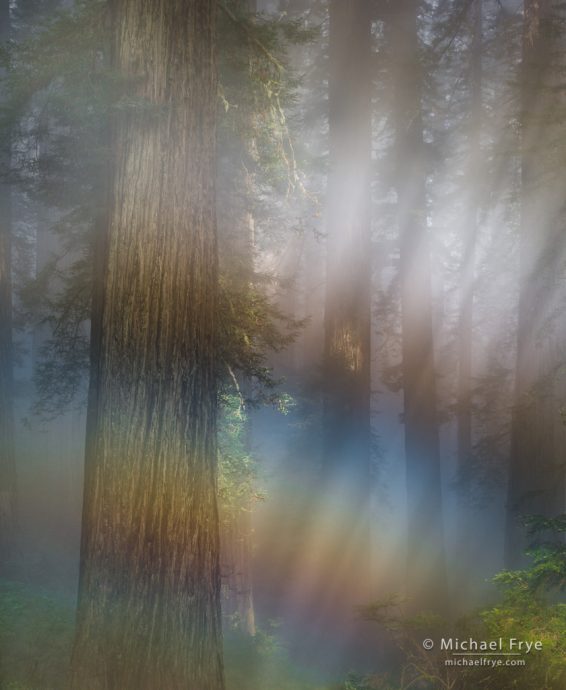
(426, 558)
(149, 596)
(7, 455)
(347, 318)
(237, 600)
(343, 546)
(536, 479)
(466, 325)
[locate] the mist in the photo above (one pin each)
(330, 287)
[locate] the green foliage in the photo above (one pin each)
(546, 575)
(250, 326)
(257, 89)
(59, 300)
(373, 682)
(532, 608)
(237, 467)
(36, 631)
(421, 667)
(61, 94)
(58, 55)
(523, 617)
(262, 663)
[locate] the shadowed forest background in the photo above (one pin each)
(291, 276)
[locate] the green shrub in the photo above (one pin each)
(262, 663)
(532, 608)
(36, 632)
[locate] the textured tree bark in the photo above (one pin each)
(149, 597)
(426, 580)
(8, 490)
(536, 474)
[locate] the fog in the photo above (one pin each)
(331, 229)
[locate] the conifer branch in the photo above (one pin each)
(254, 39)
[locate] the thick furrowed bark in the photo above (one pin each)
(149, 614)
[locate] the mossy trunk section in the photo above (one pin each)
(149, 599)
(426, 582)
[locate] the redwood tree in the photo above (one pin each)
(345, 490)
(149, 604)
(347, 318)
(467, 281)
(426, 559)
(537, 476)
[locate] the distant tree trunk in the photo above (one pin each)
(347, 318)
(426, 557)
(343, 496)
(236, 533)
(237, 600)
(7, 456)
(149, 596)
(465, 329)
(536, 475)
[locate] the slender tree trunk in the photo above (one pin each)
(343, 544)
(536, 474)
(149, 597)
(426, 557)
(237, 601)
(467, 282)
(236, 548)
(7, 456)
(347, 318)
